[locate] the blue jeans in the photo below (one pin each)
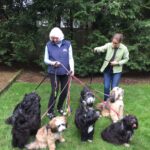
(111, 80)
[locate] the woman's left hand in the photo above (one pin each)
(113, 63)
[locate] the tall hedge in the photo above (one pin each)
(22, 40)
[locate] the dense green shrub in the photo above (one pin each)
(22, 41)
(87, 62)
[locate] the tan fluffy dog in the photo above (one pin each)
(47, 135)
(114, 106)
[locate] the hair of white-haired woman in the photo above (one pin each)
(56, 32)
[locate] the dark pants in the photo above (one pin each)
(111, 80)
(55, 80)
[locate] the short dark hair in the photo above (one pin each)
(118, 36)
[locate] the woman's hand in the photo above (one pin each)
(94, 50)
(57, 64)
(114, 63)
(71, 73)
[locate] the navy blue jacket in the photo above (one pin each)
(60, 54)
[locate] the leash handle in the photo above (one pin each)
(68, 96)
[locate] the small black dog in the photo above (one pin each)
(25, 119)
(121, 131)
(86, 115)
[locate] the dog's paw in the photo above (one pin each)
(27, 146)
(100, 115)
(127, 145)
(62, 140)
(90, 141)
(114, 121)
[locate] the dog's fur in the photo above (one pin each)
(114, 107)
(120, 132)
(25, 119)
(86, 115)
(47, 135)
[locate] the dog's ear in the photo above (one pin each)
(125, 119)
(112, 96)
(53, 126)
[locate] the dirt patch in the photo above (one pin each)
(31, 76)
(6, 74)
(37, 76)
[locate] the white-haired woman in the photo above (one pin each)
(58, 51)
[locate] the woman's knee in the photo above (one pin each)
(106, 86)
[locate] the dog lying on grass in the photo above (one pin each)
(121, 132)
(114, 106)
(86, 115)
(47, 135)
(25, 119)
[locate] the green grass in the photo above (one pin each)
(137, 102)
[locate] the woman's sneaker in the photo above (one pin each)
(50, 115)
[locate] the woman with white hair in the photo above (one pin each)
(58, 52)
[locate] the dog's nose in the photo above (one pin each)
(135, 126)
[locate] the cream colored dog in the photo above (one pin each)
(47, 135)
(114, 107)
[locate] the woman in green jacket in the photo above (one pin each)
(117, 55)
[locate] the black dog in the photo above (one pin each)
(86, 115)
(121, 132)
(25, 119)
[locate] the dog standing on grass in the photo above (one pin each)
(86, 115)
(114, 106)
(49, 134)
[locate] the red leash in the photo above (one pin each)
(68, 96)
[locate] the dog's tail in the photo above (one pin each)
(36, 145)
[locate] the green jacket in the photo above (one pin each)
(122, 56)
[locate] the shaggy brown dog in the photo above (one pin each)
(114, 106)
(49, 134)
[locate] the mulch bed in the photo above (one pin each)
(36, 76)
(6, 74)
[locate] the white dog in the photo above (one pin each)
(114, 107)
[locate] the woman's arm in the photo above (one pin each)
(125, 57)
(71, 60)
(46, 58)
(101, 48)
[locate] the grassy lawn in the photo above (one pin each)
(137, 102)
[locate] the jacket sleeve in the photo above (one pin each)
(71, 60)
(101, 48)
(125, 57)
(46, 58)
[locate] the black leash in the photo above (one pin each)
(44, 78)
